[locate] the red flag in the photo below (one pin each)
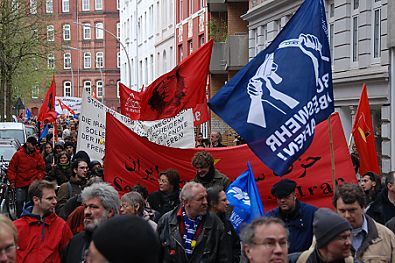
(182, 88)
(132, 160)
(201, 113)
(130, 102)
(363, 134)
(63, 106)
(47, 111)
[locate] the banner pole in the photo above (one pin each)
(332, 154)
(349, 141)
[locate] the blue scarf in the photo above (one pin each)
(188, 238)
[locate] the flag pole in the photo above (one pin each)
(332, 154)
(349, 141)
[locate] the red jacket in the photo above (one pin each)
(41, 240)
(25, 168)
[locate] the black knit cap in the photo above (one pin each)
(283, 188)
(32, 140)
(327, 225)
(125, 239)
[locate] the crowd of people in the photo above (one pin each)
(67, 213)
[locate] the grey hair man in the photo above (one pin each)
(189, 233)
(101, 202)
(265, 240)
(371, 240)
(133, 204)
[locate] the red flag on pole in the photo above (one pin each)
(363, 134)
(182, 88)
(130, 102)
(63, 106)
(47, 111)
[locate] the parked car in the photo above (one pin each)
(7, 149)
(14, 130)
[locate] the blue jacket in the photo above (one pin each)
(299, 224)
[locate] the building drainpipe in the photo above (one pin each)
(392, 115)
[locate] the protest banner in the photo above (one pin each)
(132, 160)
(172, 132)
(73, 102)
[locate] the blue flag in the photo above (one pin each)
(28, 114)
(44, 132)
(275, 102)
(243, 194)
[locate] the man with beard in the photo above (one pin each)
(189, 233)
(101, 202)
(75, 185)
(206, 174)
(43, 235)
(297, 216)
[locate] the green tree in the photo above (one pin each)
(23, 50)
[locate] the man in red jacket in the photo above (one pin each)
(26, 165)
(42, 235)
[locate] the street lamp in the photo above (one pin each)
(118, 41)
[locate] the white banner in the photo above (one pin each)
(175, 132)
(73, 102)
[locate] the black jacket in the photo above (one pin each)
(77, 249)
(232, 240)
(163, 202)
(315, 258)
(382, 210)
(209, 247)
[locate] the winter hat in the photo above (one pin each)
(68, 143)
(32, 140)
(283, 188)
(123, 238)
(327, 225)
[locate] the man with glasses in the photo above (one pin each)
(43, 235)
(297, 216)
(8, 239)
(265, 240)
(333, 240)
(189, 233)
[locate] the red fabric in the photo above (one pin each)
(131, 160)
(47, 111)
(130, 102)
(363, 134)
(182, 88)
(201, 114)
(76, 220)
(65, 107)
(25, 168)
(38, 246)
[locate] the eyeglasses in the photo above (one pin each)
(8, 249)
(272, 243)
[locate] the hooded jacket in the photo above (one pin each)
(41, 240)
(24, 168)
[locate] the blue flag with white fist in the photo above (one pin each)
(244, 196)
(275, 102)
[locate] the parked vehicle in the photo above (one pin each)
(13, 130)
(7, 194)
(31, 130)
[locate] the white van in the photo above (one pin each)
(13, 130)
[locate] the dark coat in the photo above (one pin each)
(61, 173)
(209, 247)
(315, 258)
(381, 210)
(77, 248)
(163, 202)
(214, 177)
(299, 224)
(232, 240)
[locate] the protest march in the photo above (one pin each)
(152, 182)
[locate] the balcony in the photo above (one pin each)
(217, 5)
(230, 55)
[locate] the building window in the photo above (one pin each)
(99, 89)
(66, 32)
(118, 89)
(376, 33)
(354, 44)
(118, 30)
(33, 7)
(99, 31)
(51, 61)
(50, 33)
(99, 59)
(355, 4)
(87, 60)
(180, 53)
(98, 4)
(118, 5)
(201, 40)
(118, 59)
(85, 5)
(67, 89)
(201, 3)
(88, 86)
(190, 47)
(190, 7)
(86, 31)
(65, 6)
(180, 11)
(35, 92)
(49, 6)
(67, 61)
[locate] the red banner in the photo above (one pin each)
(47, 111)
(132, 160)
(363, 134)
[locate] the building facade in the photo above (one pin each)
(86, 51)
(361, 52)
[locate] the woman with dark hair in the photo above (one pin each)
(47, 154)
(371, 185)
(62, 171)
(167, 197)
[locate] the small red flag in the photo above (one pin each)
(182, 88)
(130, 102)
(363, 134)
(47, 111)
(63, 106)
